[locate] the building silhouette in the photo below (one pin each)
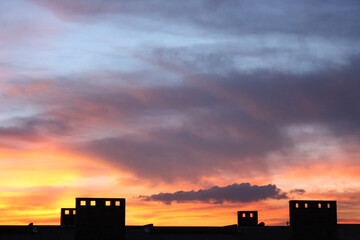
(67, 217)
(100, 218)
(313, 220)
(104, 219)
(247, 218)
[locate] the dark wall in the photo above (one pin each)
(313, 219)
(68, 216)
(247, 218)
(100, 218)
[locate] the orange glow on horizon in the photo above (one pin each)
(36, 183)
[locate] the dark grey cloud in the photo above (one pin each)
(235, 193)
(331, 18)
(230, 123)
(34, 129)
(18, 133)
(275, 53)
(208, 124)
(297, 191)
(170, 155)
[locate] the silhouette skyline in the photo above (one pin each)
(104, 219)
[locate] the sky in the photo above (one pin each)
(191, 110)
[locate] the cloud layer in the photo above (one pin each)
(235, 193)
(205, 125)
(227, 123)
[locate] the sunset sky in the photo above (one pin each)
(191, 110)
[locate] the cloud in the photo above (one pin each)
(204, 126)
(289, 36)
(34, 127)
(282, 53)
(292, 17)
(297, 191)
(297, 36)
(214, 124)
(27, 132)
(235, 193)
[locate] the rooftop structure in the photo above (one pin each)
(247, 218)
(104, 219)
(313, 219)
(100, 218)
(67, 217)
